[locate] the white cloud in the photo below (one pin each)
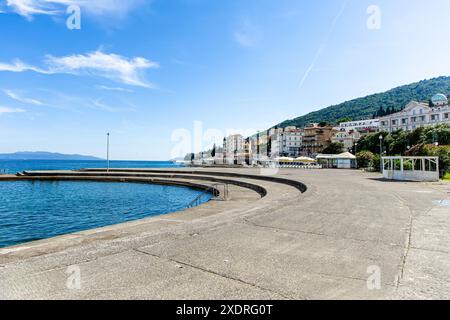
(114, 89)
(30, 8)
(16, 96)
(4, 110)
(19, 66)
(111, 66)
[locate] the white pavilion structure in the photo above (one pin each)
(411, 168)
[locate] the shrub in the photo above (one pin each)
(364, 159)
(431, 150)
(447, 176)
(376, 162)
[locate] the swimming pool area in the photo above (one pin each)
(34, 210)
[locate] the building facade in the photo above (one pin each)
(234, 150)
(347, 138)
(286, 142)
(416, 115)
(315, 139)
(370, 125)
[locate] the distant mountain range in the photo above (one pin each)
(27, 155)
(367, 107)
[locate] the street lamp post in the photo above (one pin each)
(356, 152)
(107, 151)
(381, 152)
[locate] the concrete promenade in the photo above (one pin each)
(281, 244)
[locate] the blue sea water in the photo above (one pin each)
(32, 210)
(14, 166)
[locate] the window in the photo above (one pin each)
(446, 116)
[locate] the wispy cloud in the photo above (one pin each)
(119, 89)
(324, 43)
(19, 66)
(111, 66)
(99, 104)
(247, 34)
(4, 110)
(18, 97)
(30, 8)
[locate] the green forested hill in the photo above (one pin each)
(364, 108)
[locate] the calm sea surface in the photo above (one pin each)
(14, 166)
(38, 210)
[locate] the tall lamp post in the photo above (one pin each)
(356, 152)
(381, 152)
(107, 151)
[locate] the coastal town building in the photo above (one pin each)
(259, 147)
(347, 138)
(286, 142)
(418, 114)
(292, 142)
(370, 125)
(234, 150)
(315, 139)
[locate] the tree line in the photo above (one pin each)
(426, 141)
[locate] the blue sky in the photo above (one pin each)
(143, 70)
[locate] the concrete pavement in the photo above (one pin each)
(320, 244)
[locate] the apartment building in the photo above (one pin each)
(286, 142)
(234, 150)
(315, 139)
(347, 138)
(418, 114)
(370, 125)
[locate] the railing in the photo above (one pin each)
(4, 171)
(288, 166)
(215, 190)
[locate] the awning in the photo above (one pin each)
(343, 156)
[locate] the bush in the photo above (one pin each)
(397, 143)
(376, 162)
(364, 159)
(431, 150)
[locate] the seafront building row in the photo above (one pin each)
(312, 140)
